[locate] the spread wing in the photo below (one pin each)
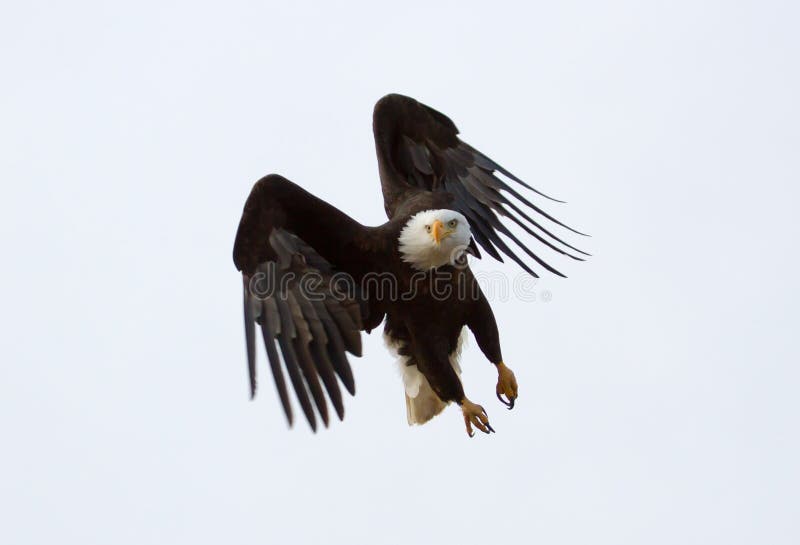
(290, 246)
(419, 149)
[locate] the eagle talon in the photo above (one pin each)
(475, 414)
(509, 404)
(506, 385)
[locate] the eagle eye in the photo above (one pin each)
(453, 223)
(428, 228)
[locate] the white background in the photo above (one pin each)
(658, 386)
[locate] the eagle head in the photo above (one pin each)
(433, 238)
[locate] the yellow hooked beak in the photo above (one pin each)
(438, 231)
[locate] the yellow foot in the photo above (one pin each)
(474, 414)
(506, 385)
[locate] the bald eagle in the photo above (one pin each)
(314, 278)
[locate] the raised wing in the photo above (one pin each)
(419, 149)
(289, 247)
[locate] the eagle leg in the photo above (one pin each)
(506, 385)
(475, 414)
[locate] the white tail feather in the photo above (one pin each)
(422, 403)
(425, 406)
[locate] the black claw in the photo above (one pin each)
(490, 428)
(471, 433)
(508, 404)
(511, 405)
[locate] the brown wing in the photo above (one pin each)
(290, 246)
(419, 149)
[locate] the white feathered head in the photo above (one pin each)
(433, 238)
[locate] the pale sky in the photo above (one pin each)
(658, 387)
